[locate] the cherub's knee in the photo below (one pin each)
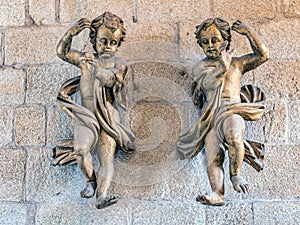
(81, 149)
(234, 138)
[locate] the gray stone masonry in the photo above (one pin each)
(161, 50)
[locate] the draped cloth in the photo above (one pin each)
(213, 115)
(103, 118)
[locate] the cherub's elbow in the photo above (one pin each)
(266, 54)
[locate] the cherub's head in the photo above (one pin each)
(107, 33)
(211, 33)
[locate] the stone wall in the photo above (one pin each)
(161, 49)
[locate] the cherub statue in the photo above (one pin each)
(225, 106)
(98, 124)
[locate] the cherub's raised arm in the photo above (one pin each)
(260, 51)
(63, 48)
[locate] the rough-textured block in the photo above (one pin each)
(148, 10)
(162, 81)
(277, 213)
(230, 214)
(44, 82)
(154, 124)
(294, 121)
(291, 8)
(42, 12)
(12, 86)
(148, 51)
(150, 31)
(283, 73)
(59, 125)
(12, 13)
(1, 49)
(190, 181)
(71, 11)
(241, 9)
(287, 31)
(189, 48)
(46, 183)
(280, 177)
(167, 213)
(147, 167)
(30, 126)
(12, 172)
(80, 214)
(274, 122)
(149, 41)
(38, 44)
(6, 126)
(12, 213)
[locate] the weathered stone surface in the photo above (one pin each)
(44, 82)
(175, 11)
(237, 213)
(12, 172)
(188, 47)
(73, 10)
(287, 45)
(12, 213)
(243, 9)
(280, 177)
(81, 214)
(12, 13)
(274, 122)
(1, 49)
(154, 124)
(46, 183)
(190, 181)
(12, 86)
(279, 213)
(294, 122)
(162, 81)
(42, 12)
(59, 125)
(283, 73)
(148, 51)
(291, 8)
(30, 126)
(40, 48)
(167, 213)
(6, 126)
(150, 31)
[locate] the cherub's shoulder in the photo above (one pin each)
(119, 61)
(201, 67)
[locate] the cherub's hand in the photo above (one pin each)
(79, 26)
(89, 63)
(240, 27)
(225, 57)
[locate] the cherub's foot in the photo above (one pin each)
(239, 184)
(89, 190)
(212, 198)
(103, 202)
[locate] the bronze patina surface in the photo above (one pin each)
(97, 117)
(224, 106)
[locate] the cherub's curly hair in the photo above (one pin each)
(111, 21)
(221, 24)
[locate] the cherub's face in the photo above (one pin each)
(211, 39)
(107, 42)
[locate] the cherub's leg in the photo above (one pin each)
(83, 140)
(106, 150)
(215, 157)
(234, 129)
